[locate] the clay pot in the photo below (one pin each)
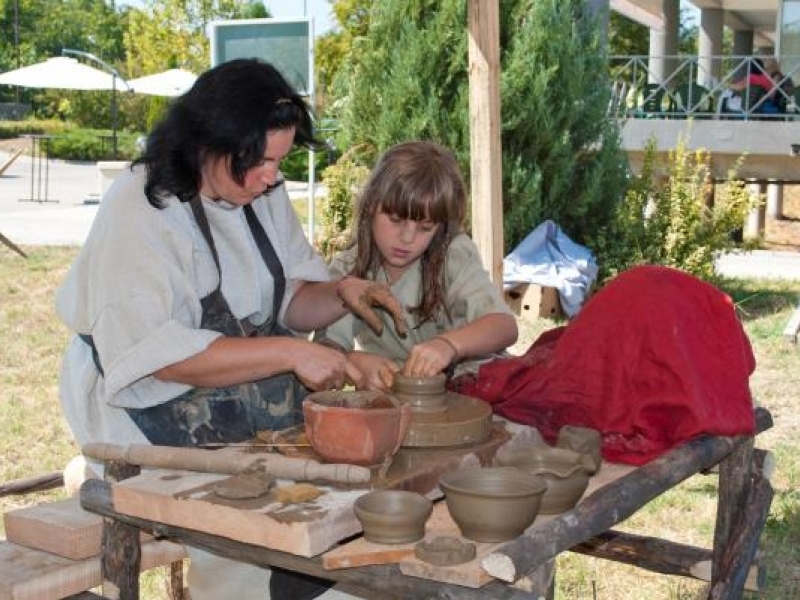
(492, 504)
(393, 516)
(361, 428)
(583, 440)
(566, 473)
(423, 394)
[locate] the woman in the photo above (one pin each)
(195, 274)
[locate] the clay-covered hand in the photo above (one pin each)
(430, 358)
(361, 296)
(324, 368)
(378, 371)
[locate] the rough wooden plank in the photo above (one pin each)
(660, 556)
(38, 483)
(187, 499)
(613, 503)
(28, 574)
(61, 527)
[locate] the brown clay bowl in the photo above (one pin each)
(361, 428)
(423, 394)
(566, 473)
(492, 504)
(393, 516)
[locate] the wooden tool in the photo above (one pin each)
(214, 461)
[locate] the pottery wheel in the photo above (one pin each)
(465, 420)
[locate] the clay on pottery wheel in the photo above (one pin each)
(393, 516)
(492, 504)
(423, 394)
(583, 440)
(566, 473)
(361, 428)
(464, 421)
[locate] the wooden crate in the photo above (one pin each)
(531, 301)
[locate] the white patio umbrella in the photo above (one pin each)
(60, 72)
(65, 73)
(173, 82)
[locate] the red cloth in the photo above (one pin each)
(655, 358)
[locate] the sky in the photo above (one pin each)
(319, 10)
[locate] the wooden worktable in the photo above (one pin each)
(525, 562)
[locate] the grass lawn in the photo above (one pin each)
(34, 438)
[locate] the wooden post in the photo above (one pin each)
(121, 552)
(485, 144)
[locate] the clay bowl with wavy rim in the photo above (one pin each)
(423, 394)
(393, 516)
(492, 504)
(361, 428)
(566, 472)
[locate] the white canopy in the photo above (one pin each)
(60, 72)
(173, 82)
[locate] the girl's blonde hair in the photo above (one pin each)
(416, 180)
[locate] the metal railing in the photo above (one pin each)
(687, 89)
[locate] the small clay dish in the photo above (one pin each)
(492, 504)
(566, 473)
(393, 516)
(362, 428)
(423, 394)
(445, 551)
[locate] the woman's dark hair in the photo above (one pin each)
(226, 113)
(416, 180)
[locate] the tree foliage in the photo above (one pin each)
(674, 215)
(406, 77)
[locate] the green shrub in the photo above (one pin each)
(343, 181)
(673, 215)
(93, 144)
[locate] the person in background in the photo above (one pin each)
(186, 298)
(409, 235)
(756, 77)
(784, 87)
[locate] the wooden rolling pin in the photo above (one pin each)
(214, 461)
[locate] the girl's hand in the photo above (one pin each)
(361, 295)
(378, 372)
(323, 368)
(430, 358)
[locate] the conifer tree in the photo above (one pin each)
(407, 78)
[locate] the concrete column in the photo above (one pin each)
(664, 42)
(775, 200)
(709, 45)
(754, 224)
(743, 42)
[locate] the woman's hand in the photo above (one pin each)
(378, 372)
(430, 358)
(361, 295)
(323, 368)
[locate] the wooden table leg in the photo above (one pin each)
(121, 550)
(743, 490)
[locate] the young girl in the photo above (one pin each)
(409, 234)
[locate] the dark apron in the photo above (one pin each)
(235, 413)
